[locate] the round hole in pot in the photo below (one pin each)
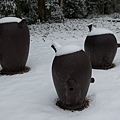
(71, 89)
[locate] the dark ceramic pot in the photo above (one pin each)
(101, 46)
(72, 76)
(14, 45)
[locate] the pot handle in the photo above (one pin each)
(118, 45)
(90, 27)
(92, 80)
(22, 23)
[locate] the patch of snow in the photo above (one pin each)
(99, 31)
(67, 49)
(90, 24)
(32, 96)
(10, 19)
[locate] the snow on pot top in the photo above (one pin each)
(67, 49)
(98, 31)
(10, 19)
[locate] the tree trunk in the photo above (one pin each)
(18, 11)
(61, 3)
(41, 6)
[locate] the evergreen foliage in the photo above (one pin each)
(54, 13)
(102, 6)
(20, 8)
(27, 9)
(31, 12)
(76, 9)
(7, 8)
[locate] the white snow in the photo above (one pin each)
(67, 49)
(10, 19)
(99, 31)
(32, 96)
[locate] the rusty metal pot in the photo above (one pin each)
(14, 44)
(101, 46)
(71, 74)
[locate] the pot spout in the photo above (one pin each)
(55, 46)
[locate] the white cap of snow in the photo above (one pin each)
(10, 19)
(64, 50)
(99, 31)
(68, 49)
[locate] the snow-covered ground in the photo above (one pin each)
(32, 96)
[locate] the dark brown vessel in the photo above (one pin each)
(101, 46)
(14, 45)
(72, 76)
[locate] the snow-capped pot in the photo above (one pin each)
(101, 46)
(14, 44)
(71, 72)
